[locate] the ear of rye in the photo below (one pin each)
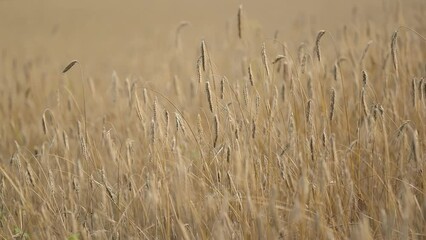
(69, 66)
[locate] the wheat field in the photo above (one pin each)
(225, 130)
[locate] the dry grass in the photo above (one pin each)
(318, 144)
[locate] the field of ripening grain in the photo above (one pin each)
(213, 120)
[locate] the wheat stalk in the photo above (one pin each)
(308, 114)
(228, 154)
(65, 140)
(200, 128)
(364, 102)
(145, 96)
(69, 66)
(43, 122)
(245, 95)
(203, 55)
(364, 78)
(240, 22)
(181, 26)
(394, 50)
(209, 96)
(155, 110)
(317, 44)
(265, 61)
(335, 71)
(251, 78)
(52, 187)
(364, 53)
(222, 88)
(414, 92)
(312, 148)
(422, 89)
(82, 139)
(253, 130)
(153, 135)
(216, 131)
(138, 108)
(199, 71)
(167, 118)
(332, 103)
(278, 58)
(324, 138)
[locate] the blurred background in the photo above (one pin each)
(108, 34)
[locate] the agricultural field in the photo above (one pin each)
(213, 119)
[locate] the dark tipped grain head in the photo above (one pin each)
(317, 44)
(278, 58)
(364, 78)
(240, 22)
(216, 130)
(69, 66)
(203, 55)
(394, 51)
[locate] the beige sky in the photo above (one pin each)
(105, 29)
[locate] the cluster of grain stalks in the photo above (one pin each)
(327, 141)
